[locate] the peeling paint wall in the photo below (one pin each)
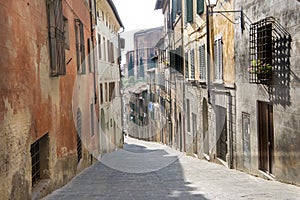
(32, 103)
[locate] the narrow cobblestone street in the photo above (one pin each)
(145, 170)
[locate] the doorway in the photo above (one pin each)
(221, 132)
(265, 137)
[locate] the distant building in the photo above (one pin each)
(109, 76)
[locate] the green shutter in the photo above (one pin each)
(200, 6)
(173, 10)
(179, 6)
(189, 10)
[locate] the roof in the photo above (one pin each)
(113, 7)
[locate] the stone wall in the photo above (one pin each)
(282, 94)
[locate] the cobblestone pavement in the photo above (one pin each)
(145, 170)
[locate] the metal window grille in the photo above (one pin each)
(192, 64)
(218, 54)
(56, 37)
(79, 143)
(202, 65)
(35, 162)
(269, 47)
(261, 51)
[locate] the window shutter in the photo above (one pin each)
(200, 6)
(185, 12)
(192, 64)
(82, 47)
(56, 38)
(99, 46)
(89, 54)
(189, 10)
(186, 65)
(172, 59)
(202, 67)
(179, 6)
(173, 10)
(218, 59)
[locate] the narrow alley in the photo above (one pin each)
(184, 177)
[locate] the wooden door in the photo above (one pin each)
(265, 137)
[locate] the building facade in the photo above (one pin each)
(109, 77)
(267, 136)
(45, 44)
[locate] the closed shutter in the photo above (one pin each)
(185, 12)
(56, 38)
(202, 66)
(99, 46)
(192, 64)
(186, 65)
(80, 48)
(173, 10)
(189, 6)
(179, 6)
(218, 60)
(200, 6)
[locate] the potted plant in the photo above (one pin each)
(263, 71)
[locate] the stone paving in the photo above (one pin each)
(145, 170)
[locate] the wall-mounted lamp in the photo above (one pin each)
(211, 3)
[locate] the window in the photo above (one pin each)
(104, 49)
(218, 54)
(179, 6)
(56, 38)
(101, 93)
(192, 64)
(108, 50)
(80, 54)
(111, 91)
(89, 54)
(35, 162)
(39, 151)
(188, 115)
(202, 65)
(186, 65)
(189, 11)
(174, 9)
(200, 6)
(92, 120)
(66, 33)
(106, 91)
(99, 47)
(261, 51)
(79, 142)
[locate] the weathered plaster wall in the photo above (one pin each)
(32, 103)
(285, 99)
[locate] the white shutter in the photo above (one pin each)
(192, 64)
(202, 66)
(218, 55)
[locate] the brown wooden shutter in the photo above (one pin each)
(56, 38)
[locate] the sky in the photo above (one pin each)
(139, 14)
